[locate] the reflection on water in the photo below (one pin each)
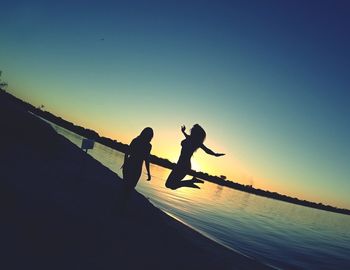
(284, 235)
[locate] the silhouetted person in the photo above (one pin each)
(139, 152)
(189, 145)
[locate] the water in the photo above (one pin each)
(277, 233)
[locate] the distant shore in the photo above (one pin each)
(122, 147)
(59, 210)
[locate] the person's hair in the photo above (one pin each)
(146, 134)
(197, 135)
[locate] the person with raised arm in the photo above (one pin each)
(190, 144)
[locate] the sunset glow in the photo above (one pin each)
(268, 84)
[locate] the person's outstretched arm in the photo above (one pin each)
(183, 128)
(210, 152)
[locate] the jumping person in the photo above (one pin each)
(189, 145)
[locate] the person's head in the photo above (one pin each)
(198, 135)
(146, 134)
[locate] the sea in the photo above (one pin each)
(276, 233)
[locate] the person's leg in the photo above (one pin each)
(124, 197)
(174, 178)
(196, 180)
(188, 183)
(175, 184)
(175, 181)
(191, 183)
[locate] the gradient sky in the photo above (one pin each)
(268, 81)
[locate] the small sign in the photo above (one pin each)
(87, 144)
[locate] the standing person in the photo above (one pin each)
(138, 152)
(189, 145)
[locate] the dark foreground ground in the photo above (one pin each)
(59, 210)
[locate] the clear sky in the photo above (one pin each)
(268, 80)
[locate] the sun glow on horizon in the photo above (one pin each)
(196, 165)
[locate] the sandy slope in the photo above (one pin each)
(59, 206)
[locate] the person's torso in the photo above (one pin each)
(139, 150)
(187, 150)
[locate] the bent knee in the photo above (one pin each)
(170, 185)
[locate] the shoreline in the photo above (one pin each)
(121, 147)
(59, 211)
(242, 190)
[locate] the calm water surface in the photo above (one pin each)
(280, 234)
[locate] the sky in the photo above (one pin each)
(267, 80)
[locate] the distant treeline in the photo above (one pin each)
(121, 147)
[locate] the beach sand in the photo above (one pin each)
(59, 210)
